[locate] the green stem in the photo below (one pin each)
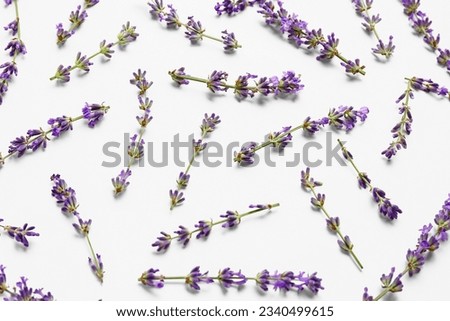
(16, 8)
(388, 289)
(337, 54)
(269, 142)
(338, 230)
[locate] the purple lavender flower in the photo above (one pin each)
(37, 138)
(82, 227)
(319, 201)
(90, 3)
(385, 206)
(157, 9)
(60, 190)
(127, 35)
(176, 198)
(216, 81)
(241, 87)
(195, 277)
(308, 181)
(19, 146)
(229, 278)
(171, 18)
(19, 234)
(94, 113)
(229, 41)
(63, 73)
(136, 148)
(311, 126)
(70, 205)
(230, 7)
(333, 223)
(77, 17)
(288, 84)
(209, 123)
(163, 242)
(384, 50)
(8, 2)
(194, 30)
(183, 180)
(329, 49)
(198, 146)
(415, 261)
(183, 235)
(105, 49)
(283, 281)
(82, 62)
(62, 34)
(120, 183)
(13, 26)
(141, 82)
(149, 278)
(246, 155)
(347, 117)
(24, 293)
(3, 285)
(204, 228)
(178, 76)
(310, 281)
(353, 67)
(60, 125)
(16, 47)
(232, 219)
(96, 265)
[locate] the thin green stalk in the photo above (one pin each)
(99, 271)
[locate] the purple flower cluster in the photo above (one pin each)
(194, 29)
(297, 30)
(19, 234)
(126, 35)
(431, 236)
(208, 125)
(230, 220)
(76, 18)
(227, 278)
(403, 127)
(422, 26)
(385, 207)
(362, 8)
(342, 118)
(16, 47)
(136, 144)
(288, 84)
(66, 198)
(333, 223)
(21, 291)
(37, 138)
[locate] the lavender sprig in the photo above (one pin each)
(66, 198)
(136, 144)
(297, 30)
(194, 29)
(285, 281)
(37, 138)
(231, 219)
(385, 207)
(362, 8)
(126, 35)
(429, 241)
(403, 128)
(333, 223)
(342, 118)
(21, 291)
(76, 18)
(19, 234)
(16, 47)
(422, 26)
(208, 125)
(288, 84)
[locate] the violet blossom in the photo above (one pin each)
(194, 29)
(66, 199)
(431, 236)
(230, 220)
(208, 125)
(288, 84)
(333, 223)
(404, 126)
(341, 118)
(421, 24)
(19, 234)
(385, 207)
(37, 138)
(82, 62)
(21, 291)
(227, 278)
(76, 18)
(136, 144)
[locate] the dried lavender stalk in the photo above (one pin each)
(208, 125)
(76, 19)
(136, 144)
(227, 278)
(429, 241)
(19, 234)
(333, 223)
(203, 228)
(385, 207)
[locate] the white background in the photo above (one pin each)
(292, 237)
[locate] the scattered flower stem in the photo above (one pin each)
(422, 26)
(19, 234)
(21, 291)
(16, 47)
(343, 117)
(208, 125)
(127, 35)
(403, 128)
(227, 278)
(203, 228)
(37, 138)
(66, 197)
(362, 8)
(428, 242)
(76, 19)
(136, 144)
(333, 223)
(194, 30)
(385, 207)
